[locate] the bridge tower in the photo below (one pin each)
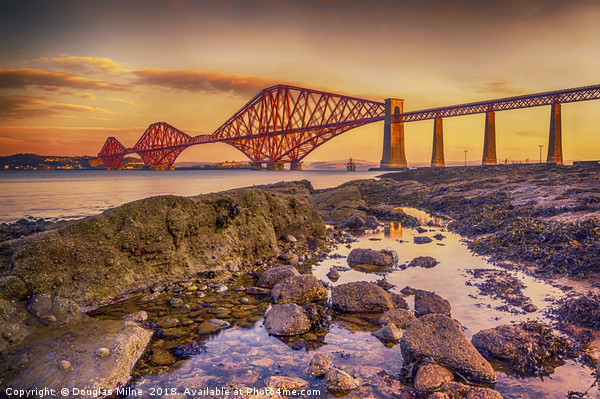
(393, 136)
(555, 139)
(437, 154)
(489, 142)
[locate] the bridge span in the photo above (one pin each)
(283, 124)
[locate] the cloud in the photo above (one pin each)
(501, 86)
(86, 64)
(531, 133)
(120, 100)
(203, 81)
(17, 107)
(20, 78)
(21, 107)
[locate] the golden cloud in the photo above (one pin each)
(86, 64)
(20, 107)
(20, 78)
(203, 81)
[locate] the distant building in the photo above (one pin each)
(351, 166)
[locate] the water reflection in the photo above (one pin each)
(393, 230)
(245, 355)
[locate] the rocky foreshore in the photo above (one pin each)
(49, 280)
(176, 271)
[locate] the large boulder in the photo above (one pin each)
(532, 346)
(301, 288)
(94, 261)
(287, 319)
(361, 297)
(354, 222)
(272, 276)
(429, 302)
(439, 338)
(338, 204)
(87, 354)
(360, 256)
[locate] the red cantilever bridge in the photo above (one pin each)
(283, 124)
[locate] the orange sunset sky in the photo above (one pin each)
(73, 72)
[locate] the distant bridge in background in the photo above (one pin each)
(283, 124)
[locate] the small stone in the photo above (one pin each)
(289, 383)
(175, 302)
(360, 256)
(407, 291)
(206, 328)
(244, 300)
(530, 308)
(222, 288)
(302, 288)
(333, 274)
(272, 276)
(290, 238)
(287, 319)
(168, 323)
(389, 333)
(258, 291)
(162, 357)
(48, 319)
(431, 376)
(139, 316)
(265, 362)
(64, 365)
(423, 261)
(429, 302)
(102, 352)
(422, 240)
(399, 317)
(339, 382)
(319, 365)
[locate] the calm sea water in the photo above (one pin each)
(69, 194)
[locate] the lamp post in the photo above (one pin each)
(540, 145)
(465, 157)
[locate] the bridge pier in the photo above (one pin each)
(555, 139)
(489, 142)
(256, 166)
(274, 165)
(296, 165)
(437, 155)
(393, 136)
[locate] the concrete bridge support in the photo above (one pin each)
(489, 142)
(256, 166)
(555, 141)
(296, 166)
(393, 136)
(437, 155)
(274, 165)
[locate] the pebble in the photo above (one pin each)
(222, 288)
(64, 365)
(175, 302)
(102, 352)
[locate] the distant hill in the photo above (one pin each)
(341, 164)
(44, 162)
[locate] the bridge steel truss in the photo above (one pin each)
(285, 123)
(503, 104)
